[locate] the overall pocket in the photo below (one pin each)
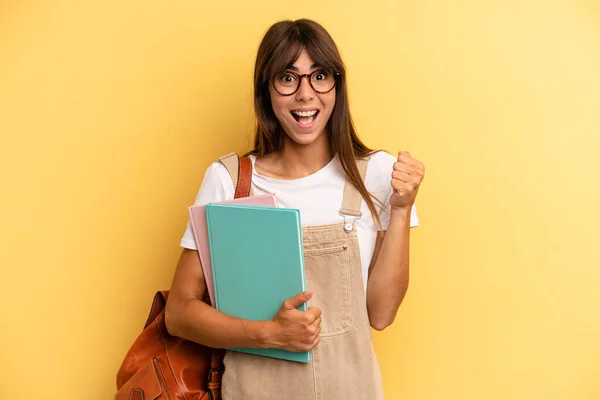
(328, 277)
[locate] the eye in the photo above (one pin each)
(320, 76)
(287, 78)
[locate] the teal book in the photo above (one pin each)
(257, 264)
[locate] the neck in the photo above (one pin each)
(297, 161)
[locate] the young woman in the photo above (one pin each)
(307, 152)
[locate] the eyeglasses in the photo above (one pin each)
(288, 83)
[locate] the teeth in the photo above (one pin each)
(305, 113)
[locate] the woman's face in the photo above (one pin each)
(304, 114)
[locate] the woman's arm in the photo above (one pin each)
(188, 317)
(388, 279)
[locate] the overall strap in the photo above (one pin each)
(352, 197)
(240, 170)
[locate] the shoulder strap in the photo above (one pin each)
(352, 197)
(240, 170)
(158, 304)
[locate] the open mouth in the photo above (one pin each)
(305, 117)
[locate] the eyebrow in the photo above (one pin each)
(296, 69)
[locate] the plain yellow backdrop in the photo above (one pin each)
(111, 111)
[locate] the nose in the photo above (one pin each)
(305, 91)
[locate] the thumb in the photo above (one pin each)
(403, 152)
(297, 300)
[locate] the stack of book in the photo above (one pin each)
(252, 257)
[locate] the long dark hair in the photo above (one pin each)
(281, 46)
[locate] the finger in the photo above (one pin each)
(405, 157)
(316, 311)
(401, 176)
(316, 323)
(311, 343)
(310, 319)
(315, 335)
(411, 184)
(400, 186)
(400, 166)
(316, 342)
(313, 330)
(409, 169)
(416, 173)
(297, 300)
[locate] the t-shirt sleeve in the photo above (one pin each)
(379, 174)
(216, 186)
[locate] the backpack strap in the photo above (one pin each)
(240, 170)
(215, 374)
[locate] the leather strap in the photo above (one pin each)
(136, 394)
(244, 177)
(158, 305)
(352, 197)
(240, 170)
(215, 374)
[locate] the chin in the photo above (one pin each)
(305, 139)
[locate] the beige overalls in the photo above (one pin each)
(344, 364)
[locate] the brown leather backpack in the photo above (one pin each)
(161, 366)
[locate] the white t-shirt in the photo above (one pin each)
(317, 196)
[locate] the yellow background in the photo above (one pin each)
(111, 111)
